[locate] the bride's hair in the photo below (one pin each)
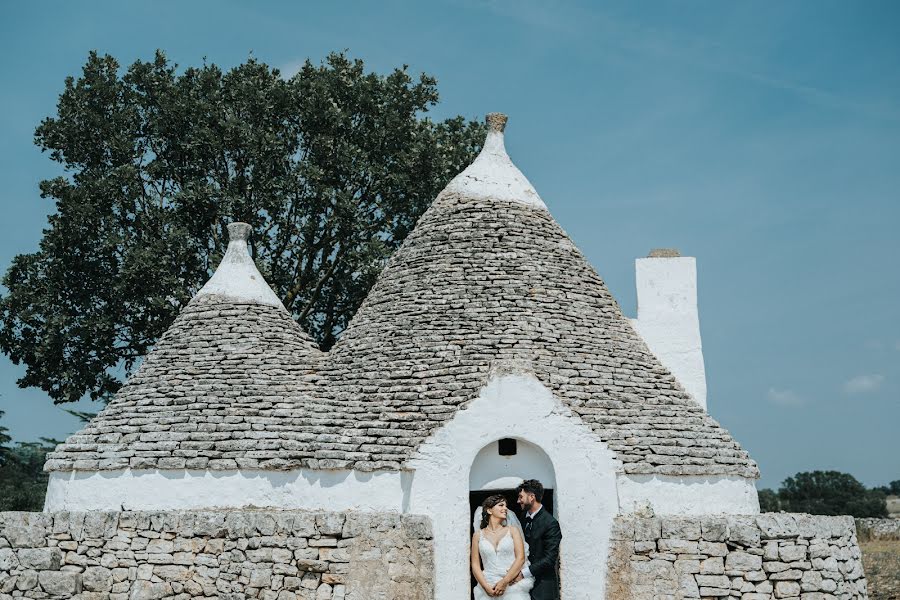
(490, 502)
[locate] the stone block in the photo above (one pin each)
(97, 579)
(647, 530)
(60, 583)
(147, 590)
(678, 546)
(713, 548)
(687, 566)
(330, 523)
(791, 552)
(714, 592)
(790, 574)
(712, 566)
(683, 529)
(27, 580)
(26, 536)
(787, 589)
(687, 586)
(742, 561)
(40, 558)
(8, 560)
(714, 529)
(743, 531)
(716, 581)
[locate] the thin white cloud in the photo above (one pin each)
(862, 384)
(785, 397)
(702, 53)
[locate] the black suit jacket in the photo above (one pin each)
(544, 537)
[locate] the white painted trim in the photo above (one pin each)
(237, 277)
(518, 406)
(196, 489)
(666, 495)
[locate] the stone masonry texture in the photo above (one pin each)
(230, 555)
(755, 557)
(478, 287)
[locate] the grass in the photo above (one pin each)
(881, 561)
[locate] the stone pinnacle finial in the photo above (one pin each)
(496, 121)
(492, 175)
(238, 232)
(237, 279)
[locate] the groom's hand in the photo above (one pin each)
(519, 577)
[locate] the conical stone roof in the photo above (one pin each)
(225, 387)
(488, 281)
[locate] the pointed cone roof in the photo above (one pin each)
(486, 282)
(225, 387)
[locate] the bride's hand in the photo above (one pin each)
(489, 590)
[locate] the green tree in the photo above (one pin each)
(23, 483)
(768, 501)
(4, 440)
(332, 168)
(830, 493)
(891, 489)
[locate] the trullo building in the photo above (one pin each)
(488, 351)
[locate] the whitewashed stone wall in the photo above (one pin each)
(758, 557)
(274, 555)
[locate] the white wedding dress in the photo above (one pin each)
(496, 563)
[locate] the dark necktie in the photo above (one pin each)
(528, 520)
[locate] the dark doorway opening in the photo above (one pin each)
(476, 498)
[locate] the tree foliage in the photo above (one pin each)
(768, 501)
(830, 493)
(891, 489)
(332, 168)
(4, 440)
(23, 482)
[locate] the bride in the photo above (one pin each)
(500, 545)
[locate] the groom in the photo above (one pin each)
(543, 536)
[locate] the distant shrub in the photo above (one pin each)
(830, 493)
(768, 501)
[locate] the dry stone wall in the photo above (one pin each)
(754, 557)
(878, 529)
(230, 555)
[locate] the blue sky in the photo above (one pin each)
(762, 138)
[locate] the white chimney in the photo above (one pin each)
(667, 316)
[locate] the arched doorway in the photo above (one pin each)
(501, 466)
